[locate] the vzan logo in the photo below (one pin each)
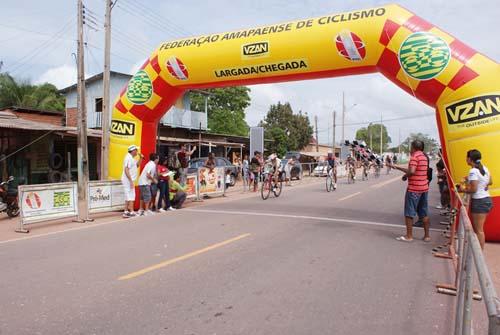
(122, 128)
(473, 109)
(258, 49)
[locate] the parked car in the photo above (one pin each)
(295, 171)
(321, 170)
(196, 163)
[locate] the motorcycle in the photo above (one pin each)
(9, 199)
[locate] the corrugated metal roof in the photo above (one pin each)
(11, 121)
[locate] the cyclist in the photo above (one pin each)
(350, 166)
(388, 163)
(366, 167)
(275, 163)
(332, 166)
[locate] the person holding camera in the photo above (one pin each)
(416, 198)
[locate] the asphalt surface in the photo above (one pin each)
(309, 262)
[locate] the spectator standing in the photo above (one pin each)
(416, 198)
(146, 178)
(183, 157)
(163, 186)
(478, 182)
(228, 179)
(177, 192)
(210, 162)
(288, 170)
(245, 172)
(129, 175)
(442, 182)
(255, 169)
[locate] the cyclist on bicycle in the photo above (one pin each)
(332, 166)
(350, 166)
(275, 163)
(366, 167)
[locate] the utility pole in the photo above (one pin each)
(381, 137)
(82, 147)
(317, 139)
(343, 118)
(106, 112)
(370, 130)
(334, 125)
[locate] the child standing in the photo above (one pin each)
(228, 179)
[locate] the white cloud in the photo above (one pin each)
(61, 76)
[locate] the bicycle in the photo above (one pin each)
(350, 176)
(330, 182)
(377, 171)
(365, 173)
(269, 184)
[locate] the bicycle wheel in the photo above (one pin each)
(278, 188)
(265, 189)
(329, 183)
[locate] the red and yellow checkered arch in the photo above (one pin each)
(423, 60)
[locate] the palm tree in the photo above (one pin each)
(24, 94)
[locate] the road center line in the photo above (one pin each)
(181, 258)
(350, 196)
(305, 217)
(385, 182)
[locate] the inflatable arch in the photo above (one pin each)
(423, 60)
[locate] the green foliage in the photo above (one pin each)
(430, 144)
(23, 94)
(371, 135)
(226, 109)
(289, 131)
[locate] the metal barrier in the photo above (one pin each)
(105, 196)
(211, 181)
(465, 252)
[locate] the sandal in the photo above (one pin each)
(403, 239)
(426, 239)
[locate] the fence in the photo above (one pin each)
(465, 252)
(105, 196)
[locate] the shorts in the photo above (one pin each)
(145, 191)
(481, 206)
(416, 204)
(154, 190)
(129, 193)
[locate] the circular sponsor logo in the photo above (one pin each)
(424, 55)
(177, 69)
(140, 88)
(350, 45)
(33, 200)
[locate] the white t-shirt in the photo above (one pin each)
(483, 181)
(149, 168)
(132, 167)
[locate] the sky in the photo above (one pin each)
(37, 43)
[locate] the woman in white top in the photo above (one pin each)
(478, 181)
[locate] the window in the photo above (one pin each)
(98, 113)
(98, 105)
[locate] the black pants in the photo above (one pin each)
(164, 194)
(179, 199)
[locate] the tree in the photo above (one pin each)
(226, 109)
(371, 135)
(288, 131)
(431, 145)
(23, 94)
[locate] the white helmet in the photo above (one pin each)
(272, 156)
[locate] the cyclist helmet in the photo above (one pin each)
(272, 156)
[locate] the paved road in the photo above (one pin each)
(309, 262)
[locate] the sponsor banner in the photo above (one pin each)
(105, 196)
(140, 88)
(255, 50)
(48, 201)
(122, 128)
(211, 180)
(473, 112)
(252, 70)
(192, 185)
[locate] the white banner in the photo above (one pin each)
(48, 201)
(105, 195)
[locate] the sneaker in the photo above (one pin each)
(172, 208)
(353, 178)
(162, 210)
(150, 212)
(126, 215)
(335, 186)
(439, 207)
(141, 213)
(132, 214)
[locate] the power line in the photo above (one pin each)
(394, 119)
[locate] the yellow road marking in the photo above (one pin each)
(386, 182)
(349, 196)
(181, 258)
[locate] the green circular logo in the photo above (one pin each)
(424, 55)
(140, 88)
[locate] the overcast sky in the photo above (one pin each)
(29, 50)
